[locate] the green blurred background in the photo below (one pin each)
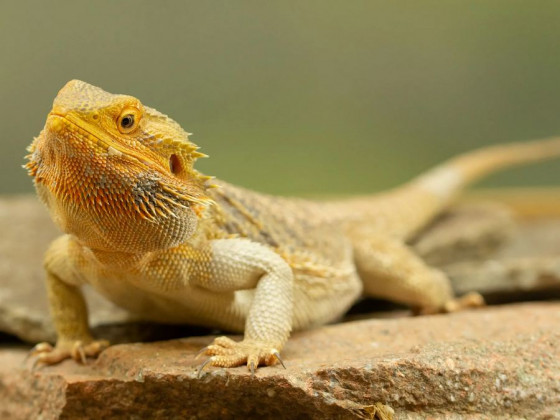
(297, 97)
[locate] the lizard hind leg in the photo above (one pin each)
(390, 270)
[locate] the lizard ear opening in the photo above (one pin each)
(174, 164)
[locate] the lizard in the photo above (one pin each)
(154, 235)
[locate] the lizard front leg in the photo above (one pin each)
(239, 264)
(68, 310)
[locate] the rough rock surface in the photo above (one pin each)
(496, 362)
(482, 247)
(459, 241)
(467, 232)
(493, 363)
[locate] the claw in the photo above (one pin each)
(277, 355)
(203, 365)
(37, 348)
(35, 364)
(26, 358)
(78, 350)
(200, 352)
(252, 368)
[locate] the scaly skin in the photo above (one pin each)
(155, 236)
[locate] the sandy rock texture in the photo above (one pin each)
(483, 247)
(497, 362)
(492, 363)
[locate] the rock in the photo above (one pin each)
(514, 277)
(460, 241)
(26, 230)
(496, 362)
(482, 247)
(527, 266)
(466, 232)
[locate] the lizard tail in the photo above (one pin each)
(406, 209)
(446, 180)
(441, 184)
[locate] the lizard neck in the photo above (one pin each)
(206, 231)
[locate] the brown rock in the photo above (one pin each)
(466, 232)
(526, 267)
(26, 230)
(522, 277)
(457, 241)
(500, 362)
(482, 247)
(496, 362)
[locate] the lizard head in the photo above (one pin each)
(116, 174)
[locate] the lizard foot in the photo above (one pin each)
(77, 350)
(224, 352)
(469, 300)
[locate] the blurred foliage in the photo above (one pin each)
(297, 97)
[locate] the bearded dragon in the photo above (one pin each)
(157, 237)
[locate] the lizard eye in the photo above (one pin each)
(128, 120)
